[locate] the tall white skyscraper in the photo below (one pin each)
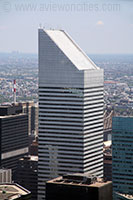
(70, 109)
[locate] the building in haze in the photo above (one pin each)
(70, 109)
(122, 157)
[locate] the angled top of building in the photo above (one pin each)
(71, 49)
(63, 63)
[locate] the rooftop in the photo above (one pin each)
(80, 180)
(125, 196)
(30, 158)
(107, 143)
(14, 115)
(12, 191)
(4, 170)
(71, 49)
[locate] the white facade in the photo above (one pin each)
(70, 110)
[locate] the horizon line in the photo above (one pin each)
(31, 53)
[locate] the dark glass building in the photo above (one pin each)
(122, 156)
(27, 174)
(13, 136)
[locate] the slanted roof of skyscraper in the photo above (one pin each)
(71, 50)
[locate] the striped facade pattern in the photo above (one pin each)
(70, 131)
(13, 139)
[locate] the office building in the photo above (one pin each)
(122, 156)
(14, 192)
(33, 148)
(31, 109)
(34, 119)
(107, 160)
(107, 128)
(5, 176)
(107, 134)
(70, 109)
(79, 187)
(26, 174)
(13, 136)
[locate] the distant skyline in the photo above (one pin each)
(98, 26)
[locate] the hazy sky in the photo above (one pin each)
(98, 26)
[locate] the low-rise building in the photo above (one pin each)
(14, 192)
(79, 187)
